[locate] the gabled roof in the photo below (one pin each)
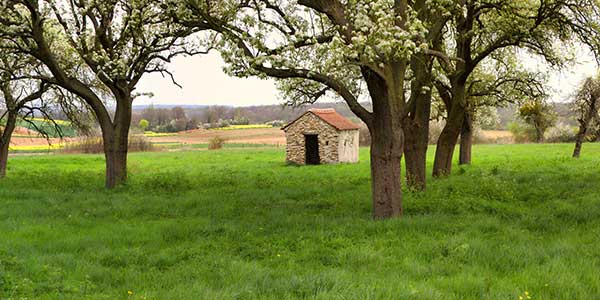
(331, 117)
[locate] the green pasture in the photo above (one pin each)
(523, 221)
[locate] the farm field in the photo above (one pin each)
(29, 141)
(523, 221)
(25, 141)
(261, 136)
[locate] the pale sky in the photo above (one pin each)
(204, 83)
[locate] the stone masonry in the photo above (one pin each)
(311, 124)
(334, 145)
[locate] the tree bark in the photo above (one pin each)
(580, 137)
(578, 143)
(116, 163)
(416, 124)
(415, 159)
(386, 186)
(11, 123)
(442, 165)
(466, 140)
(387, 138)
(116, 142)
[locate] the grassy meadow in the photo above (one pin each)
(523, 221)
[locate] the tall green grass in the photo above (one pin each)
(241, 224)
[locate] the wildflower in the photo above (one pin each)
(129, 293)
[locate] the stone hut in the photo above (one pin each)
(321, 136)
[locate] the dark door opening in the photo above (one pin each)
(312, 149)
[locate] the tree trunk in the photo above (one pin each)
(416, 141)
(387, 138)
(386, 157)
(116, 143)
(416, 163)
(579, 138)
(539, 135)
(116, 163)
(11, 123)
(416, 124)
(466, 140)
(442, 165)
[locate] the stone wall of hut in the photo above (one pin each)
(311, 124)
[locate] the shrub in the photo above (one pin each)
(540, 115)
(216, 143)
(223, 123)
(240, 121)
(144, 124)
(94, 145)
(276, 123)
(139, 143)
(522, 133)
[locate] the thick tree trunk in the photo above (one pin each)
(446, 144)
(387, 138)
(415, 153)
(442, 165)
(466, 140)
(416, 124)
(116, 163)
(116, 142)
(386, 157)
(11, 123)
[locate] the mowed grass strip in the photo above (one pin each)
(241, 224)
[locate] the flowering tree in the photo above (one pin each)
(587, 106)
(421, 78)
(480, 28)
(538, 114)
(497, 81)
(18, 94)
(345, 49)
(110, 42)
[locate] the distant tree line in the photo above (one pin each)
(164, 119)
(215, 115)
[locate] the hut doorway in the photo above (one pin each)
(312, 149)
